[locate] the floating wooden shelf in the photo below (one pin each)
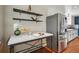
(27, 20)
(27, 12)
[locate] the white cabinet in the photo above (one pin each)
(71, 34)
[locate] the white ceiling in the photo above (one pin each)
(74, 9)
(75, 6)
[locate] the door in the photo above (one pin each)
(77, 22)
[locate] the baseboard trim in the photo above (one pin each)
(72, 40)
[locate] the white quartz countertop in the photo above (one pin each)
(24, 37)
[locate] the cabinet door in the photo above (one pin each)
(76, 33)
(68, 36)
(72, 35)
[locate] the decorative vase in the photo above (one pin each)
(17, 32)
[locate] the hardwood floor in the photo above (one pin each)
(73, 47)
(43, 50)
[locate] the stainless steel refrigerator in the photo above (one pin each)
(55, 24)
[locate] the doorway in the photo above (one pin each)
(76, 21)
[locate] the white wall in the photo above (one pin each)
(75, 10)
(1, 22)
(9, 14)
(32, 25)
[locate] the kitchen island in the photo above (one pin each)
(24, 38)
